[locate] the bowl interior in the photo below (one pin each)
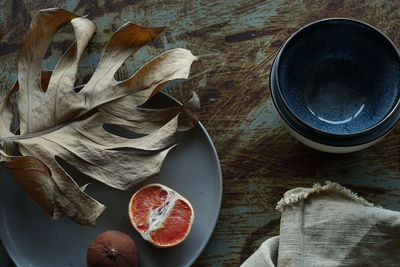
(339, 76)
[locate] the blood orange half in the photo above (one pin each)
(161, 215)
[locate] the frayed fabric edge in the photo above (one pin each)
(293, 196)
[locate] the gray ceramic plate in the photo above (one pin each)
(192, 168)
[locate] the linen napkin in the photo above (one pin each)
(330, 226)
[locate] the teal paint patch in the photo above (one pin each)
(264, 117)
(3, 14)
(92, 58)
(71, 5)
(164, 17)
(89, 62)
(50, 62)
(258, 18)
(202, 83)
(261, 56)
(105, 22)
(105, 26)
(168, 44)
(227, 244)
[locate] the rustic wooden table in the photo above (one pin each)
(236, 41)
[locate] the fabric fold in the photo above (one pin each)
(329, 225)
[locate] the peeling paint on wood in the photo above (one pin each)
(236, 41)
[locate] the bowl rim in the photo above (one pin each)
(297, 118)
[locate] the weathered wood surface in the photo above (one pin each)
(236, 40)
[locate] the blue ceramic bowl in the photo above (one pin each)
(336, 84)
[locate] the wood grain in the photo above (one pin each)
(236, 42)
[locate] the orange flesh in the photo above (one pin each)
(175, 226)
(144, 202)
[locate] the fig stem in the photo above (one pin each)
(112, 252)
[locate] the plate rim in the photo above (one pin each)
(7, 242)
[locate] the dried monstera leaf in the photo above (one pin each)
(55, 122)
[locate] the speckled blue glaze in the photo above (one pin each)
(339, 76)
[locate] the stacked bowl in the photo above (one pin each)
(336, 85)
